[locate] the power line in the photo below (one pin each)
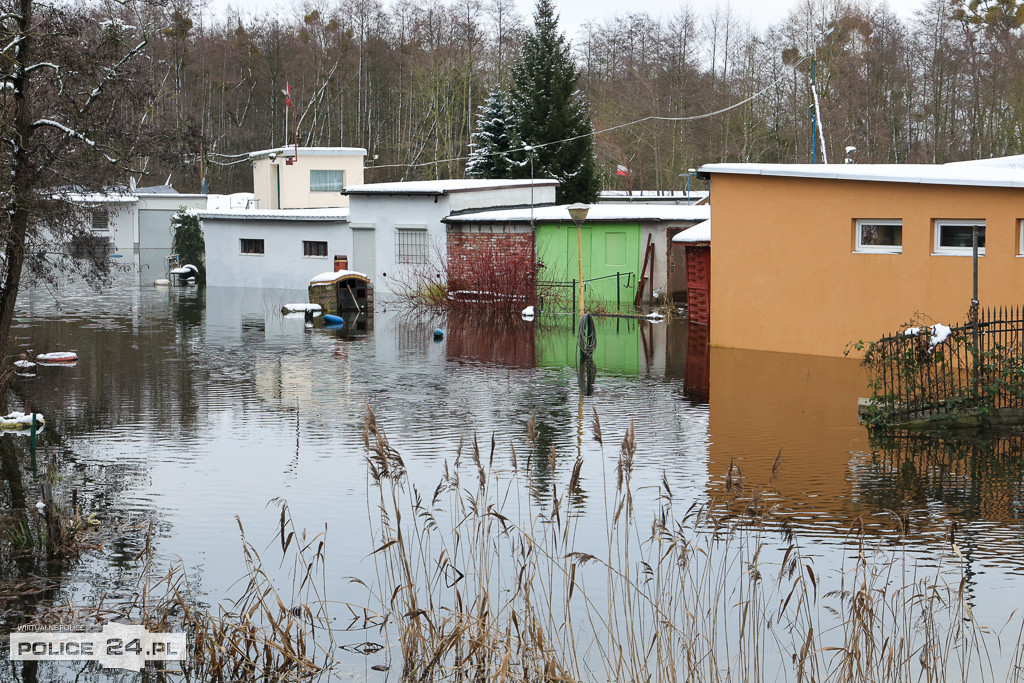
(594, 133)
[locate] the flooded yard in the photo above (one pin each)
(192, 406)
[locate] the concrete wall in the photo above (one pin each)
(509, 196)
(153, 229)
(269, 175)
(282, 265)
(785, 275)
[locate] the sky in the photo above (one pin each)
(575, 13)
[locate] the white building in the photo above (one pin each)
(139, 218)
(397, 228)
(272, 249)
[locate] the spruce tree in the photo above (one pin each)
(547, 107)
(188, 241)
(493, 141)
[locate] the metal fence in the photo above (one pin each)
(618, 289)
(925, 370)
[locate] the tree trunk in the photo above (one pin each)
(21, 179)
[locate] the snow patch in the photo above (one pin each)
(938, 334)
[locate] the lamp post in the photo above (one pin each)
(529, 150)
(578, 213)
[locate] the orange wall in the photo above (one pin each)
(785, 276)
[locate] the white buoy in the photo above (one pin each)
(161, 282)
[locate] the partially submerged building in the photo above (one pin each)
(295, 225)
(398, 229)
(626, 247)
(812, 258)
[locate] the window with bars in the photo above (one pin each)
(251, 246)
(411, 245)
(100, 220)
(314, 248)
(326, 181)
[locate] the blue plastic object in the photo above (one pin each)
(438, 334)
(333, 320)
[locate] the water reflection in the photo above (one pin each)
(972, 477)
(192, 405)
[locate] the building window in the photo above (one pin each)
(326, 181)
(954, 237)
(251, 246)
(314, 248)
(411, 245)
(880, 236)
(100, 220)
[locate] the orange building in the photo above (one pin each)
(810, 258)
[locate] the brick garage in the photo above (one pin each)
(493, 263)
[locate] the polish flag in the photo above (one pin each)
(622, 170)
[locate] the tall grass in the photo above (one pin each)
(490, 576)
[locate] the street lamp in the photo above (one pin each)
(578, 213)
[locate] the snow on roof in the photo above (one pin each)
(332, 276)
(441, 187)
(1014, 161)
(598, 212)
(275, 215)
(927, 174)
(238, 200)
(101, 198)
(289, 150)
(698, 233)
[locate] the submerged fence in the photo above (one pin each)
(617, 289)
(937, 369)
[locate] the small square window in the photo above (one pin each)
(411, 245)
(100, 220)
(314, 248)
(880, 236)
(251, 246)
(956, 237)
(326, 181)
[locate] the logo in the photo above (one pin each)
(117, 646)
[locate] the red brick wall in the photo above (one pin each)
(498, 263)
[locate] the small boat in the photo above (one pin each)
(57, 358)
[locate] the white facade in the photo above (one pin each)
(136, 220)
(397, 228)
(273, 249)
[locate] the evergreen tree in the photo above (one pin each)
(188, 241)
(493, 141)
(547, 107)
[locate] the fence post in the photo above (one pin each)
(618, 293)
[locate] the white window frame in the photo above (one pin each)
(327, 184)
(242, 240)
(1020, 237)
(937, 226)
(860, 247)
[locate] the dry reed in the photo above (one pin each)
(488, 581)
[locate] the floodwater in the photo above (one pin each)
(191, 407)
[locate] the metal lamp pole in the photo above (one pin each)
(578, 213)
